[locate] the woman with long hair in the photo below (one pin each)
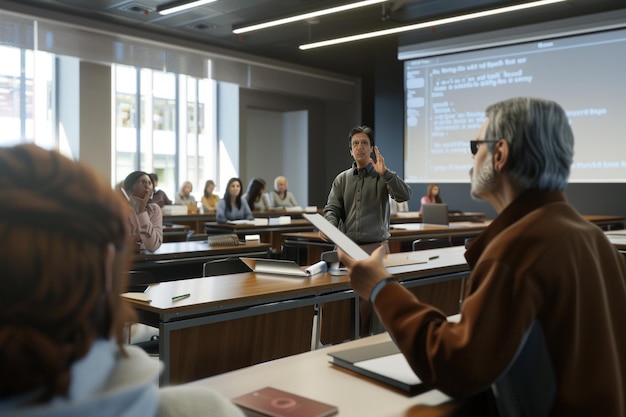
(255, 195)
(233, 206)
(432, 195)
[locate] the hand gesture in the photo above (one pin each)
(379, 164)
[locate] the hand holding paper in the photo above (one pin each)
(365, 274)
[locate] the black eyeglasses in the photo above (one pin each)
(475, 143)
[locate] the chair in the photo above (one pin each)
(224, 267)
(422, 244)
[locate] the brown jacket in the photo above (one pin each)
(538, 266)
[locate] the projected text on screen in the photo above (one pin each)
(446, 97)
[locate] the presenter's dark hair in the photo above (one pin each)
(361, 129)
(64, 260)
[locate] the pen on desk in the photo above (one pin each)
(433, 257)
(180, 297)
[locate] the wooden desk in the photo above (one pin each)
(606, 222)
(312, 375)
(233, 321)
(403, 235)
(271, 233)
(194, 222)
(310, 242)
(294, 214)
(400, 240)
(177, 260)
(175, 232)
(416, 217)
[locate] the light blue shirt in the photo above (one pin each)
(222, 215)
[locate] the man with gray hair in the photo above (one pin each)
(541, 328)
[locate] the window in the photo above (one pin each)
(162, 126)
(26, 92)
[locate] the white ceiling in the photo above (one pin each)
(213, 23)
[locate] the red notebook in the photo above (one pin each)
(273, 402)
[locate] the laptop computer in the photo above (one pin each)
(435, 213)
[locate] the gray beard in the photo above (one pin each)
(485, 180)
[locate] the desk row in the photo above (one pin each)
(177, 226)
(298, 241)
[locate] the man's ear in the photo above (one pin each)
(500, 155)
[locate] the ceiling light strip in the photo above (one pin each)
(177, 7)
(438, 22)
(307, 16)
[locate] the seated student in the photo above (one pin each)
(63, 254)
(159, 197)
(184, 197)
(209, 200)
(256, 197)
(145, 218)
(432, 195)
(233, 206)
(282, 198)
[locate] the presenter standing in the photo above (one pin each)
(358, 201)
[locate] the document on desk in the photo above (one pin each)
(244, 221)
(382, 362)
